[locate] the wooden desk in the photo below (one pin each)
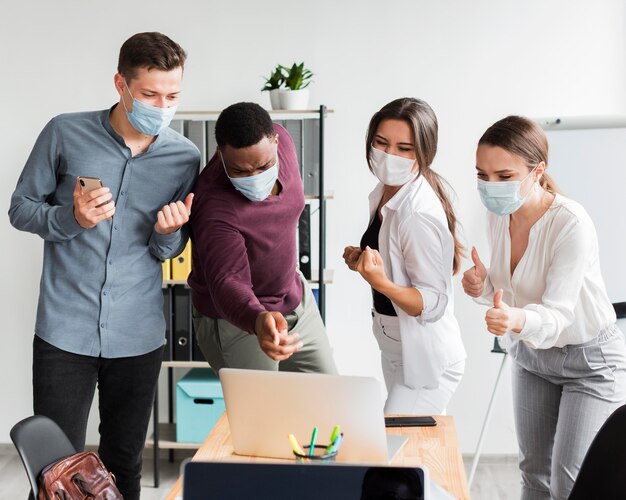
(435, 447)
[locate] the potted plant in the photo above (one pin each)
(296, 93)
(273, 84)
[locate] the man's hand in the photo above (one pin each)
(351, 256)
(474, 278)
(92, 207)
(173, 216)
(370, 266)
(502, 318)
(275, 341)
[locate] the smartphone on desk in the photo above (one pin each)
(88, 184)
(410, 421)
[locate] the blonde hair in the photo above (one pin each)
(423, 122)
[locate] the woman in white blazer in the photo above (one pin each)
(408, 254)
(547, 297)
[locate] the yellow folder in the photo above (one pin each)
(181, 265)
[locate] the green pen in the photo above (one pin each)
(313, 438)
(333, 436)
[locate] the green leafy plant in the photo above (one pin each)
(276, 79)
(298, 77)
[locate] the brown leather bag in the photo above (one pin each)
(77, 477)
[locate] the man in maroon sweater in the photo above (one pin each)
(252, 307)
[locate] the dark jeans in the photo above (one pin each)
(63, 389)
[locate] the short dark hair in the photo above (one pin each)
(150, 50)
(243, 124)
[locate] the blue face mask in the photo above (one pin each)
(502, 198)
(147, 119)
(255, 187)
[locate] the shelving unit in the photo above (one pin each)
(307, 130)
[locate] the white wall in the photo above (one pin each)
(474, 62)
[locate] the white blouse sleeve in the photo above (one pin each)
(571, 255)
(424, 248)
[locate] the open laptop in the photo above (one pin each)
(264, 407)
(285, 481)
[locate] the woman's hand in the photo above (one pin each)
(501, 317)
(474, 278)
(370, 266)
(351, 256)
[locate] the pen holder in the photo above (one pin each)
(319, 454)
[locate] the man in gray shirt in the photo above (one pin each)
(100, 318)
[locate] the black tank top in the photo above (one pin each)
(382, 304)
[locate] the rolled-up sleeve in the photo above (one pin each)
(425, 255)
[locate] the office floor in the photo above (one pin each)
(496, 479)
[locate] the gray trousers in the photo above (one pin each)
(225, 345)
(561, 397)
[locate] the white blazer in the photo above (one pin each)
(417, 249)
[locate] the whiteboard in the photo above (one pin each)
(589, 166)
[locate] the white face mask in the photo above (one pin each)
(255, 187)
(503, 197)
(391, 170)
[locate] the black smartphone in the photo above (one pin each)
(410, 421)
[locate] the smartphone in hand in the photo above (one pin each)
(410, 421)
(88, 184)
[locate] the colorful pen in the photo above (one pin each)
(336, 444)
(295, 445)
(312, 445)
(333, 436)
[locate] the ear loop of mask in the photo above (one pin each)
(129, 93)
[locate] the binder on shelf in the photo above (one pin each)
(167, 313)
(182, 342)
(304, 242)
(167, 270)
(181, 265)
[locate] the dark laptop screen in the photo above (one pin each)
(228, 480)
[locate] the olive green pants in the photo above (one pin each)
(226, 346)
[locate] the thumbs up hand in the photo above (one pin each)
(474, 278)
(500, 318)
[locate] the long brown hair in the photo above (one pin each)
(423, 122)
(524, 138)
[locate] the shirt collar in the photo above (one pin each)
(106, 123)
(399, 198)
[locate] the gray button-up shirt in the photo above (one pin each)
(100, 290)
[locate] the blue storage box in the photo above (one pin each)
(199, 405)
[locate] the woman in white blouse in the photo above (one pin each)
(408, 254)
(547, 295)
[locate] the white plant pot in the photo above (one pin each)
(275, 98)
(294, 99)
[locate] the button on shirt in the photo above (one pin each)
(100, 291)
(557, 281)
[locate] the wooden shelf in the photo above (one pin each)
(167, 439)
(185, 364)
(167, 283)
(276, 114)
(329, 276)
(330, 195)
